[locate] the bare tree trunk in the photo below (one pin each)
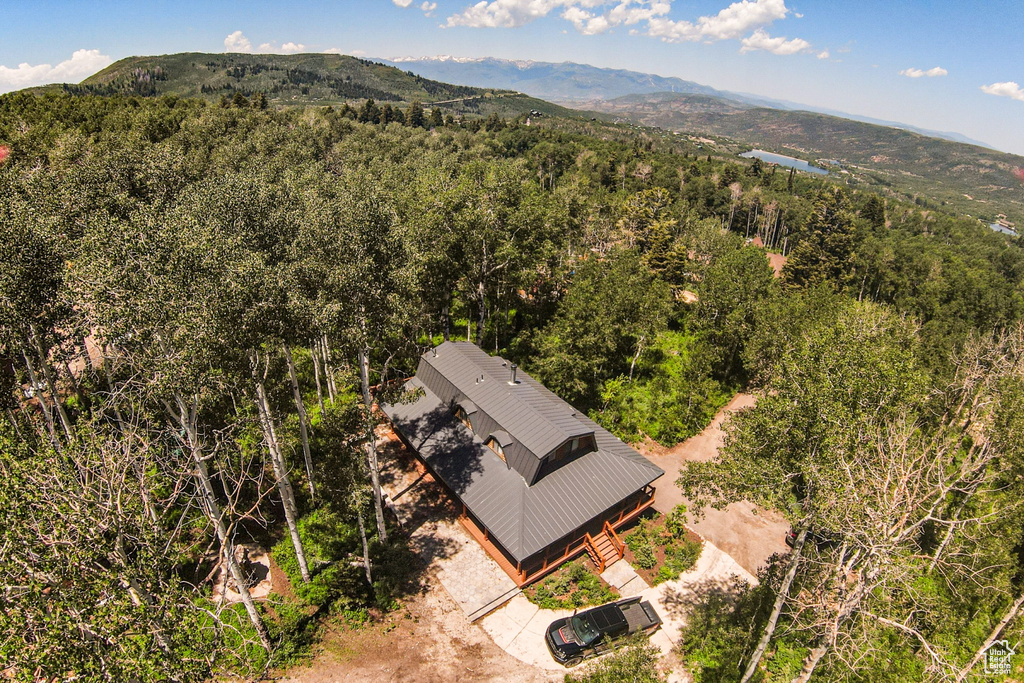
(284, 485)
(316, 373)
(303, 419)
(846, 607)
(1007, 618)
(332, 390)
(50, 382)
(783, 593)
(636, 356)
(187, 418)
(446, 321)
(14, 422)
(482, 312)
(371, 444)
(47, 415)
(811, 663)
(366, 546)
(140, 596)
(780, 599)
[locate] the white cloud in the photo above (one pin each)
(732, 22)
(1007, 89)
(760, 40)
(81, 65)
(333, 51)
(629, 13)
(426, 6)
(586, 22)
(511, 13)
(743, 20)
(918, 73)
(823, 54)
(236, 42)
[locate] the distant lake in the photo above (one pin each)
(781, 160)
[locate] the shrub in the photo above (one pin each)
(636, 662)
(643, 552)
(675, 522)
(678, 559)
(643, 549)
(579, 587)
(672, 397)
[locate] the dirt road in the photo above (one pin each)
(749, 534)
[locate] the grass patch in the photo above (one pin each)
(572, 586)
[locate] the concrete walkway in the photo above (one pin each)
(518, 627)
(622, 577)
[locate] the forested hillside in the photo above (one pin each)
(937, 173)
(251, 280)
(294, 80)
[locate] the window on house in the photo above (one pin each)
(496, 447)
(461, 416)
(562, 450)
(581, 443)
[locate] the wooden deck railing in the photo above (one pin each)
(620, 547)
(595, 553)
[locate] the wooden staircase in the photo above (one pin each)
(606, 548)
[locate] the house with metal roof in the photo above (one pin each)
(539, 482)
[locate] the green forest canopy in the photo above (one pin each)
(248, 274)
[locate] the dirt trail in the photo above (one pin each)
(749, 534)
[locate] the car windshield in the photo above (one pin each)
(585, 629)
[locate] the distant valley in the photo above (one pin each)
(940, 169)
(974, 180)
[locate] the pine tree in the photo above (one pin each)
(414, 116)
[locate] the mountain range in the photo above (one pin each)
(580, 85)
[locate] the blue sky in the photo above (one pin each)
(943, 64)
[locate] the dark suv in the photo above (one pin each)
(595, 631)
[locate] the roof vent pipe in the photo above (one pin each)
(513, 380)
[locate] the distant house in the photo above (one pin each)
(538, 482)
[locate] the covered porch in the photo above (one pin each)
(582, 539)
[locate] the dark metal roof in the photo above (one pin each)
(502, 437)
(524, 519)
(531, 417)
